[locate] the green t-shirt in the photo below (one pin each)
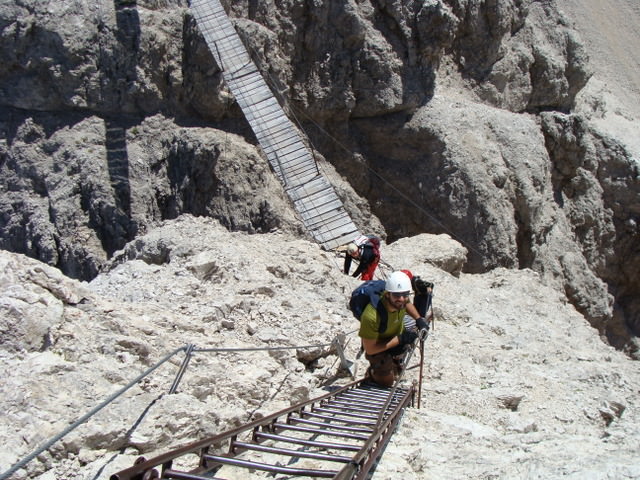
(370, 321)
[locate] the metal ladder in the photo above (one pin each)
(339, 435)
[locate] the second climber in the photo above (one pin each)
(366, 250)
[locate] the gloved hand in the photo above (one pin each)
(422, 324)
(420, 286)
(407, 337)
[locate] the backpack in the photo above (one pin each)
(371, 240)
(369, 293)
(375, 243)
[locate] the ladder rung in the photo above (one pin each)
(331, 417)
(352, 407)
(364, 400)
(337, 427)
(356, 406)
(318, 431)
(271, 468)
(291, 453)
(308, 443)
(340, 412)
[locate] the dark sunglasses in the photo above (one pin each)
(400, 295)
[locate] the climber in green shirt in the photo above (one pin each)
(385, 345)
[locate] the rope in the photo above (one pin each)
(293, 111)
(386, 182)
(84, 418)
(189, 349)
(255, 349)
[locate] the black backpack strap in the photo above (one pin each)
(422, 303)
(384, 319)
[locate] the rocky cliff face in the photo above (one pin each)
(461, 117)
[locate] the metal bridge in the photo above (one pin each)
(313, 197)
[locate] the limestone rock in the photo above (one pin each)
(512, 371)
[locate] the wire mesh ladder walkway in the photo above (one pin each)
(339, 435)
(313, 197)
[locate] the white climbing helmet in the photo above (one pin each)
(398, 282)
(352, 248)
